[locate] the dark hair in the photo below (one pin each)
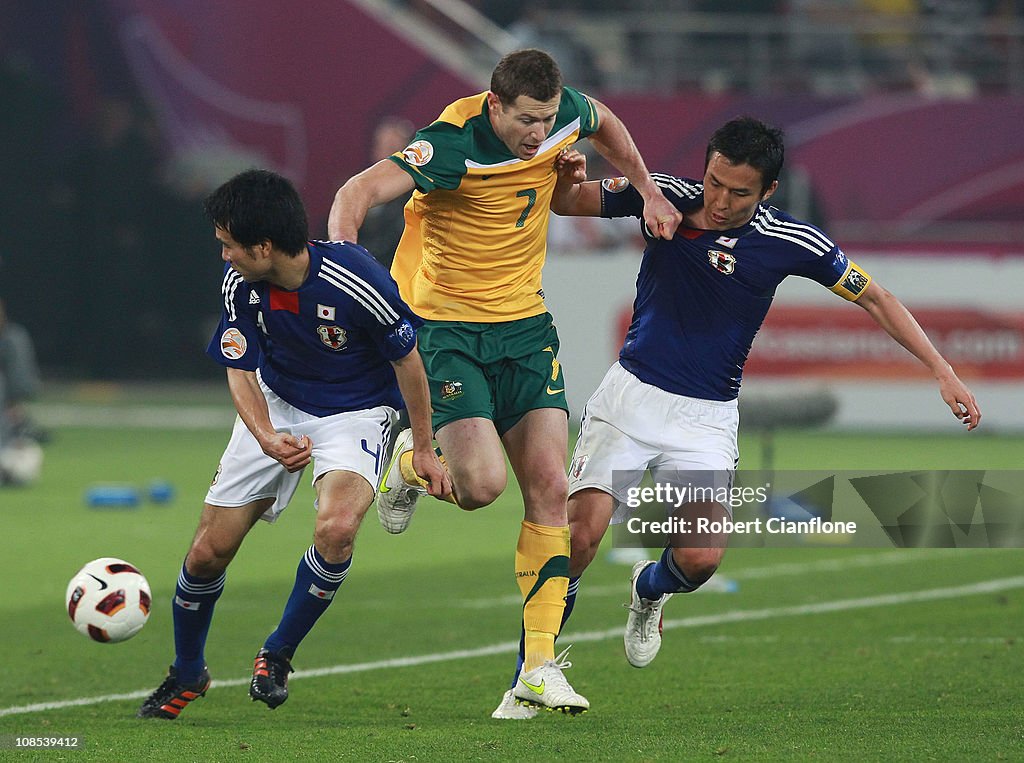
(746, 140)
(257, 206)
(528, 72)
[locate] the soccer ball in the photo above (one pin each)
(109, 600)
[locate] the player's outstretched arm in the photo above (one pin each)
(893, 316)
(412, 381)
(293, 453)
(377, 184)
(617, 146)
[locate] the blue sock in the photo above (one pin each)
(570, 602)
(519, 658)
(316, 581)
(664, 576)
(192, 611)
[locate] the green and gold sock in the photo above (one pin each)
(542, 572)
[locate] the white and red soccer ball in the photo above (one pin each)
(109, 600)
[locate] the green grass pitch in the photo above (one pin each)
(823, 653)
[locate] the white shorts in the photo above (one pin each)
(630, 427)
(355, 441)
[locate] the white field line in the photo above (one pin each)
(725, 638)
(840, 564)
(510, 647)
(1004, 640)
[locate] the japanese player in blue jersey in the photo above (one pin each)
(320, 351)
(669, 404)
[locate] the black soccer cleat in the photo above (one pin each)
(171, 697)
(270, 678)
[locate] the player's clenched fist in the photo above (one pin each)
(293, 453)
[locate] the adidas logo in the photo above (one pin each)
(254, 298)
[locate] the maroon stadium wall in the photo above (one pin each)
(301, 85)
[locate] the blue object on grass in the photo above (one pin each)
(160, 491)
(112, 496)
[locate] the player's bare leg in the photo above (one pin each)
(699, 556)
(219, 536)
(217, 539)
(476, 461)
(536, 448)
(343, 498)
(590, 512)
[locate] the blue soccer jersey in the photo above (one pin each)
(702, 296)
(324, 347)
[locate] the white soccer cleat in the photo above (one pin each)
(510, 711)
(546, 687)
(396, 500)
(643, 628)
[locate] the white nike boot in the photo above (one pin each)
(642, 638)
(547, 687)
(396, 500)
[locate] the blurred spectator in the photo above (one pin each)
(30, 113)
(824, 47)
(132, 231)
(109, 201)
(796, 194)
(20, 454)
(893, 56)
(947, 85)
(575, 60)
(19, 376)
(186, 246)
(383, 226)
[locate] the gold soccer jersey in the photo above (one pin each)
(476, 226)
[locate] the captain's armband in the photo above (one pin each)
(853, 283)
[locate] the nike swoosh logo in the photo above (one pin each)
(535, 689)
(103, 583)
(383, 488)
(554, 391)
(486, 177)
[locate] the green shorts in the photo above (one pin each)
(496, 371)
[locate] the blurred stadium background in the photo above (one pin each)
(903, 129)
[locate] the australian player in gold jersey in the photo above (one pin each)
(469, 263)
